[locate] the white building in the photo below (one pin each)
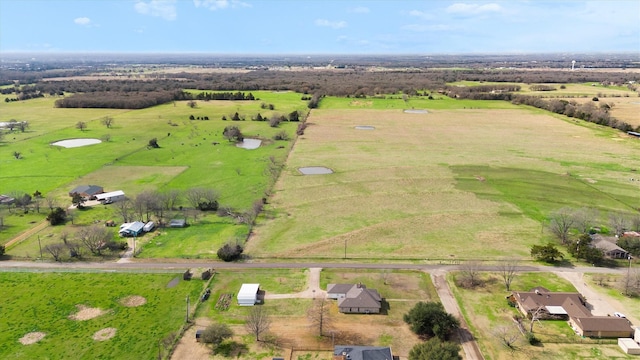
(248, 294)
(112, 196)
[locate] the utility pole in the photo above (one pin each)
(345, 248)
(628, 279)
(187, 317)
(40, 246)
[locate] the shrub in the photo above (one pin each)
(216, 334)
(2, 250)
(230, 252)
(57, 216)
(282, 135)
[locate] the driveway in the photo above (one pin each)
(311, 292)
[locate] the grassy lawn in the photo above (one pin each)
(289, 317)
(468, 183)
(43, 302)
(612, 286)
(486, 310)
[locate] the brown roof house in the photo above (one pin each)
(609, 247)
(572, 307)
(355, 298)
(87, 191)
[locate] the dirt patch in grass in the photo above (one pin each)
(104, 334)
(32, 338)
(133, 301)
(87, 313)
(173, 282)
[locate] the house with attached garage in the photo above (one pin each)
(608, 246)
(87, 191)
(355, 298)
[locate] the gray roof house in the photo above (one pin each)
(352, 352)
(609, 247)
(355, 298)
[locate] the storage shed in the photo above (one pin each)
(248, 294)
(112, 196)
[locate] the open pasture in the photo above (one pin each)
(192, 153)
(71, 308)
(415, 188)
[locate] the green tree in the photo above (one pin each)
(216, 333)
(57, 216)
(2, 250)
(547, 253)
(435, 349)
(77, 200)
(232, 133)
(430, 319)
(81, 125)
(631, 244)
(229, 252)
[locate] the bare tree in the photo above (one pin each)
(202, 198)
(319, 315)
(51, 202)
(75, 248)
(95, 238)
(470, 274)
(384, 275)
(507, 335)
(618, 222)
(124, 209)
(635, 222)
(631, 283)
(258, 321)
(55, 250)
(170, 199)
(535, 316)
(145, 203)
(561, 222)
(508, 270)
(81, 125)
(107, 121)
(584, 219)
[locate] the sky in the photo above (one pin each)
(319, 27)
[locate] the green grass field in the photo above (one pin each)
(46, 307)
(463, 183)
(192, 153)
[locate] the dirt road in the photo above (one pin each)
(469, 344)
(34, 230)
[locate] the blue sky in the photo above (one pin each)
(319, 27)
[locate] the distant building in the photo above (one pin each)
(112, 196)
(87, 191)
(6, 200)
(609, 247)
(177, 223)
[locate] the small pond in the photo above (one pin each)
(74, 143)
(315, 170)
(249, 144)
(416, 111)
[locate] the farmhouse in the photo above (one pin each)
(131, 229)
(248, 294)
(352, 352)
(602, 326)
(177, 223)
(608, 247)
(546, 305)
(112, 196)
(87, 191)
(355, 298)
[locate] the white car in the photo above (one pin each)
(620, 315)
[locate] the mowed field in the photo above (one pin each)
(451, 183)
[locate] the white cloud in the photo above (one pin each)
(220, 4)
(331, 24)
(461, 8)
(359, 10)
(165, 9)
(420, 14)
(425, 28)
(82, 21)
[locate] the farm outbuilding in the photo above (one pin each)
(248, 294)
(149, 226)
(131, 229)
(177, 223)
(629, 346)
(112, 196)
